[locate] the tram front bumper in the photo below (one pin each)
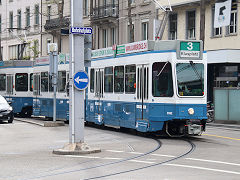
(194, 129)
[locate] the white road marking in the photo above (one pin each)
(88, 157)
(212, 161)
(203, 168)
(115, 151)
(111, 158)
(163, 155)
(145, 162)
(136, 153)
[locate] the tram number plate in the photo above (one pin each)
(140, 107)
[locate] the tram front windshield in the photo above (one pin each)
(190, 79)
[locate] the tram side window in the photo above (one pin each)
(2, 82)
(119, 79)
(31, 82)
(44, 81)
(130, 78)
(92, 80)
(162, 83)
(108, 79)
(61, 81)
(21, 82)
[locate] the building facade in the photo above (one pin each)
(221, 45)
(20, 29)
(111, 20)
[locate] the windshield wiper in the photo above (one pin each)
(196, 72)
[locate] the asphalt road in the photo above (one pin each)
(26, 153)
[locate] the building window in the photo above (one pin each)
(172, 26)
(19, 19)
(191, 25)
(129, 33)
(49, 12)
(215, 31)
(28, 17)
(145, 31)
(11, 20)
(13, 52)
(113, 35)
(105, 39)
(232, 28)
(36, 48)
(36, 14)
(85, 8)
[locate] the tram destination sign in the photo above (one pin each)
(189, 50)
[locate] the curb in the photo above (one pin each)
(235, 126)
(41, 123)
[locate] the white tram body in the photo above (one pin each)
(43, 92)
(154, 88)
(149, 86)
(16, 85)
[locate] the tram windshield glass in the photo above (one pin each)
(190, 79)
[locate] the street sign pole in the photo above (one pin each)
(53, 69)
(78, 81)
(76, 101)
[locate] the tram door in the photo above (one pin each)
(99, 76)
(142, 87)
(10, 85)
(36, 94)
(9, 89)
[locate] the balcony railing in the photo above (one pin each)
(109, 10)
(57, 23)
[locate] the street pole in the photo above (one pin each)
(76, 143)
(76, 101)
(54, 82)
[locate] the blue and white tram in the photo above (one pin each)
(149, 86)
(16, 85)
(43, 92)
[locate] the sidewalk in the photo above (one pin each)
(40, 122)
(213, 124)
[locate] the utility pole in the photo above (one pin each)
(76, 97)
(130, 21)
(202, 21)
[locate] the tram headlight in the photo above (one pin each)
(191, 111)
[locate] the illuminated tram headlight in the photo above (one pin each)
(191, 111)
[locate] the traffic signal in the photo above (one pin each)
(87, 50)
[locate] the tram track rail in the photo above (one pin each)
(159, 144)
(192, 148)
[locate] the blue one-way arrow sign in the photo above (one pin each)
(81, 30)
(81, 80)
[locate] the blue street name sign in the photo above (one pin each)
(81, 30)
(80, 80)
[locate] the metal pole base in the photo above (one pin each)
(76, 149)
